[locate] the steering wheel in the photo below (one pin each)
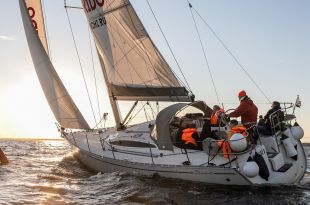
(224, 118)
(229, 110)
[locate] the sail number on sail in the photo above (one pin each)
(98, 22)
(91, 5)
(32, 14)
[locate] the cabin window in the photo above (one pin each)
(128, 143)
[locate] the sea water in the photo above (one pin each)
(47, 172)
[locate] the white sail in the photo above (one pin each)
(133, 66)
(62, 105)
(35, 11)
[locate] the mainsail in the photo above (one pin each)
(62, 105)
(134, 68)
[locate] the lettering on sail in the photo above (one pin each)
(98, 22)
(91, 5)
(32, 14)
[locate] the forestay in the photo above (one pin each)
(133, 67)
(62, 105)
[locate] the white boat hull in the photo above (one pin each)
(212, 175)
(101, 157)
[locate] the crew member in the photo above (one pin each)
(247, 110)
(265, 125)
(216, 116)
(188, 138)
(236, 128)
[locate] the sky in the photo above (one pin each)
(270, 38)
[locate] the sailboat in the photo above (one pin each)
(135, 70)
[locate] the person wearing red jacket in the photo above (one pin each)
(247, 110)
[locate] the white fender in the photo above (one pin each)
(250, 169)
(238, 142)
(297, 132)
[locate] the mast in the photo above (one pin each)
(113, 102)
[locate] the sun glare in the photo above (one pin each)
(24, 111)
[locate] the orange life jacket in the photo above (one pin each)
(237, 129)
(215, 116)
(187, 136)
(224, 145)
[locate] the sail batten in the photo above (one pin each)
(59, 100)
(132, 63)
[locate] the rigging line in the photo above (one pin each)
(155, 49)
(46, 29)
(93, 67)
(168, 45)
(140, 52)
(109, 80)
(125, 54)
(100, 121)
(109, 27)
(232, 55)
(131, 118)
(146, 115)
(204, 53)
(146, 52)
(77, 52)
(153, 113)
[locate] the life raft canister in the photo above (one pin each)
(187, 136)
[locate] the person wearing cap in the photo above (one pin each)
(265, 125)
(247, 110)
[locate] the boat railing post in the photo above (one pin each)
(73, 137)
(228, 153)
(151, 153)
(187, 155)
(101, 142)
(210, 147)
(112, 149)
(274, 117)
(87, 143)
